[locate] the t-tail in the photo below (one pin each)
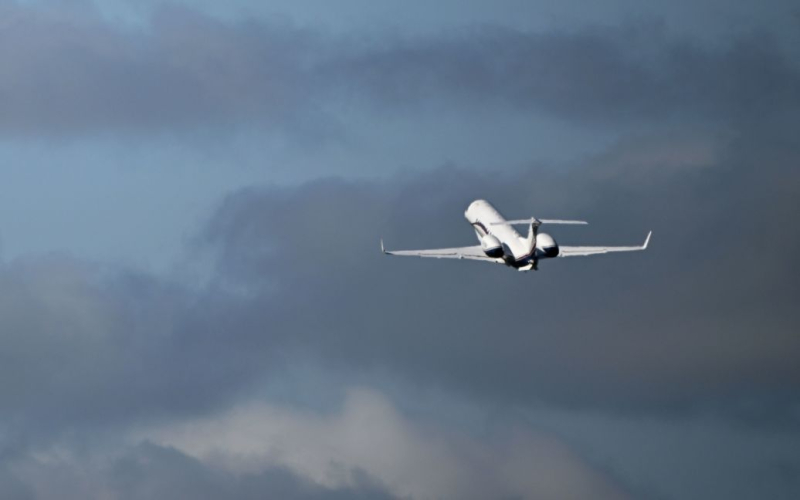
(530, 241)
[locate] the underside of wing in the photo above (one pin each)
(470, 253)
(584, 251)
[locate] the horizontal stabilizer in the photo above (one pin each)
(559, 221)
(541, 221)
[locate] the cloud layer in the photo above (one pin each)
(412, 460)
(684, 312)
(68, 74)
(688, 328)
(311, 366)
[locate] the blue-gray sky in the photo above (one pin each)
(193, 304)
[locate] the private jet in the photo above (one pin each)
(500, 243)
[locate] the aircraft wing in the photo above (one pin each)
(470, 253)
(583, 251)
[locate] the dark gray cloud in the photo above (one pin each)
(84, 349)
(597, 75)
(704, 321)
(69, 75)
(91, 356)
(707, 313)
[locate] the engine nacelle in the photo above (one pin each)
(491, 246)
(546, 246)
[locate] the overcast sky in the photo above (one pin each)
(192, 299)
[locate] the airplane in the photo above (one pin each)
(501, 244)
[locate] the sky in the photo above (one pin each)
(194, 304)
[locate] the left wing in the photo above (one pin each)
(583, 251)
(471, 253)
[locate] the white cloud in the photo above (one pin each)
(370, 434)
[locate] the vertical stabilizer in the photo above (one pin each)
(530, 241)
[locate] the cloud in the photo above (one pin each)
(704, 314)
(65, 74)
(621, 75)
(704, 318)
(87, 347)
(366, 449)
(118, 383)
(413, 460)
(73, 74)
(147, 471)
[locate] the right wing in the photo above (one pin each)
(470, 253)
(583, 251)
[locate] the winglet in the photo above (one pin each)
(383, 250)
(647, 240)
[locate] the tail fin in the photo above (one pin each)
(533, 228)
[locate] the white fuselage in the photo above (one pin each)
(499, 239)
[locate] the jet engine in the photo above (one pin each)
(546, 246)
(491, 246)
